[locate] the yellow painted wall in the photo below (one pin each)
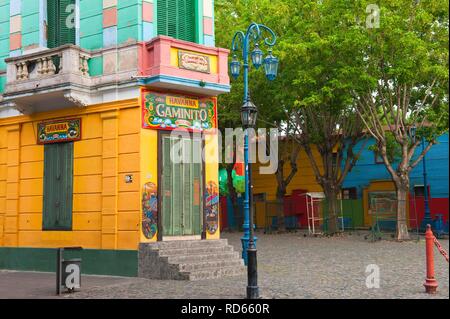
(303, 179)
(107, 211)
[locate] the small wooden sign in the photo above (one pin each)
(193, 61)
(65, 130)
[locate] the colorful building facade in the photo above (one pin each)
(368, 179)
(90, 92)
(370, 176)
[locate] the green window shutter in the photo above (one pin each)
(67, 27)
(167, 187)
(187, 187)
(52, 23)
(58, 31)
(176, 18)
(58, 186)
(197, 187)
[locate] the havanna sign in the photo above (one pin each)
(169, 112)
(65, 130)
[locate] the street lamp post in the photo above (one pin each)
(249, 112)
(427, 214)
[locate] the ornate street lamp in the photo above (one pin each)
(235, 67)
(271, 66)
(249, 112)
(257, 56)
(427, 214)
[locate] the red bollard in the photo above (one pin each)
(430, 283)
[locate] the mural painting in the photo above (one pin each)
(149, 210)
(212, 207)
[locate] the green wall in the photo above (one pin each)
(129, 20)
(94, 261)
(91, 24)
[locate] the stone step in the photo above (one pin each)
(213, 264)
(178, 244)
(185, 259)
(195, 250)
(216, 273)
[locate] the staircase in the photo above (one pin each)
(189, 260)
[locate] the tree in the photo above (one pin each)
(322, 70)
(234, 15)
(405, 84)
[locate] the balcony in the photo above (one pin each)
(61, 78)
(48, 80)
(168, 63)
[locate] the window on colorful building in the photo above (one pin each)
(60, 23)
(58, 186)
(176, 18)
(349, 193)
(419, 190)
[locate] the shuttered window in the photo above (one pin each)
(176, 18)
(58, 186)
(60, 22)
(181, 187)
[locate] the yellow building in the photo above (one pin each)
(88, 146)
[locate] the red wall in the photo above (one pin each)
(437, 206)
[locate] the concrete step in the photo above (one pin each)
(216, 273)
(185, 259)
(195, 250)
(213, 264)
(179, 244)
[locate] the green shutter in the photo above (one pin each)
(177, 194)
(176, 18)
(187, 187)
(58, 186)
(167, 188)
(52, 25)
(58, 31)
(198, 183)
(67, 27)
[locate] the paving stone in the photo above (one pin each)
(293, 266)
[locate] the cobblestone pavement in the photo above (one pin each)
(294, 266)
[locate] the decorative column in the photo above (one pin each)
(110, 187)
(11, 219)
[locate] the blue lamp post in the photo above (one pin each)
(249, 112)
(427, 214)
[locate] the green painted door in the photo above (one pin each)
(181, 187)
(58, 186)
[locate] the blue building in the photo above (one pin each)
(370, 178)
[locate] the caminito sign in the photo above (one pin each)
(169, 112)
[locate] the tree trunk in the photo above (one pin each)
(331, 192)
(281, 191)
(402, 222)
(233, 196)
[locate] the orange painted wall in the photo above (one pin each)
(106, 210)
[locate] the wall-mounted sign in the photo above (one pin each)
(169, 112)
(65, 130)
(193, 61)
